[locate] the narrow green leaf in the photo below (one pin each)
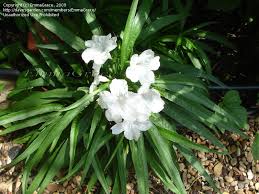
(55, 27)
(95, 121)
(24, 114)
(54, 168)
(100, 174)
(192, 159)
(161, 174)
(122, 169)
(183, 118)
(164, 154)
(29, 123)
(158, 24)
(73, 141)
(255, 147)
(138, 155)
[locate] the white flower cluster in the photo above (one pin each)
(129, 110)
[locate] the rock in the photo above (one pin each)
(249, 157)
(181, 166)
(250, 175)
(218, 169)
(240, 191)
(233, 161)
(77, 180)
(201, 155)
(13, 152)
(238, 152)
(232, 149)
(257, 168)
(241, 185)
(53, 187)
(257, 186)
(225, 192)
(234, 183)
(229, 179)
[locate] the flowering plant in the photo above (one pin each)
(123, 111)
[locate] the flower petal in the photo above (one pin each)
(119, 87)
(117, 128)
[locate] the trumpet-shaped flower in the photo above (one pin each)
(131, 129)
(98, 50)
(116, 102)
(142, 66)
(152, 100)
(131, 111)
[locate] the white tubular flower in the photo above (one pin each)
(132, 129)
(142, 66)
(115, 101)
(98, 50)
(152, 100)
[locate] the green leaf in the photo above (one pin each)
(176, 78)
(29, 123)
(42, 172)
(53, 65)
(138, 155)
(198, 97)
(133, 27)
(165, 156)
(87, 99)
(255, 147)
(100, 174)
(90, 18)
(192, 159)
(2, 86)
(73, 141)
(183, 118)
(55, 27)
(187, 70)
(54, 167)
(161, 122)
(24, 114)
(232, 103)
(158, 24)
(122, 168)
(27, 85)
(215, 37)
(95, 121)
(116, 185)
(181, 140)
(40, 69)
(161, 174)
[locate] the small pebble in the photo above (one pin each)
(240, 191)
(257, 186)
(218, 169)
(233, 161)
(249, 157)
(229, 179)
(257, 168)
(250, 175)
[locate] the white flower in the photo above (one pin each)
(98, 49)
(116, 101)
(152, 100)
(96, 82)
(130, 111)
(132, 129)
(142, 66)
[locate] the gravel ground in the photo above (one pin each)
(234, 174)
